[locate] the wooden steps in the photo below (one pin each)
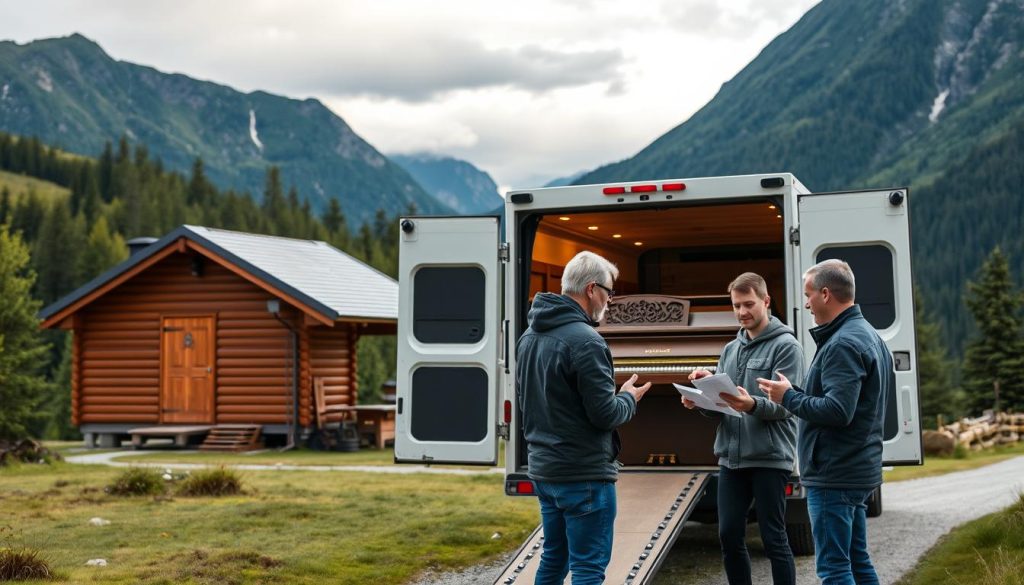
(232, 438)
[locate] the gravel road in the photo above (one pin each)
(916, 513)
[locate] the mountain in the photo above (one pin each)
(873, 94)
(455, 183)
(563, 181)
(70, 93)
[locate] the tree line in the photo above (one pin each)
(51, 247)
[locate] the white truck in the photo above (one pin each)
(464, 296)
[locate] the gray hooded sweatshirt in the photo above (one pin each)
(765, 436)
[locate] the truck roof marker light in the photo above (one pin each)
(673, 187)
(508, 412)
(614, 190)
(643, 188)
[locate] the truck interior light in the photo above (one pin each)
(673, 187)
(638, 243)
(592, 228)
(771, 206)
(564, 218)
(614, 190)
(616, 235)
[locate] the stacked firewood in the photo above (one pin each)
(983, 432)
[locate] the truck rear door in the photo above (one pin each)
(448, 341)
(870, 230)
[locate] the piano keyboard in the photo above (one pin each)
(662, 369)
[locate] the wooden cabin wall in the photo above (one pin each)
(118, 343)
(330, 354)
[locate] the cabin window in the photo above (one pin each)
(873, 274)
(449, 403)
(448, 304)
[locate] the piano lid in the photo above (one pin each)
(660, 314)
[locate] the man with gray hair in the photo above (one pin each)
(841, 411)
(570, 413)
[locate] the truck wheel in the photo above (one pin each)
(800, 540)
(875, 503)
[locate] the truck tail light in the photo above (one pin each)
(508, 412)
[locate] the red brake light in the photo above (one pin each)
(508, 412)
(524, 487)
(673, 187)
(789, 489)
(614, 190)
(643, 188)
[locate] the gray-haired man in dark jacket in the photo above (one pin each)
(841, 410)
(570, 412)
(756, 451)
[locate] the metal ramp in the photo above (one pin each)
(652, 507)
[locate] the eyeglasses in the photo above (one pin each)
(610, 291)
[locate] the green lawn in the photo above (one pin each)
(290, 527)
(20, 185)
(940, 465)
(986, 551)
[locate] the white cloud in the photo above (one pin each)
(528, 91)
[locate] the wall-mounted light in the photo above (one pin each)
(273, 306)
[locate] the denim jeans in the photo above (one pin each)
(767, 489)
(840, 529)
(578, 520)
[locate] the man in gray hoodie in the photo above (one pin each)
(755, 451)
(570, 413)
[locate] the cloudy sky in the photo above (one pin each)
(527, 90)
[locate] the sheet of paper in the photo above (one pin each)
(717, 384)
(704, 401)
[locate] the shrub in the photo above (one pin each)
(17, 564)
(137, 481)
(218, 481)
(961, 451)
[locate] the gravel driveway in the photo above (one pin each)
(916, 513)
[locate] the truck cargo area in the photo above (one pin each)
(652, 510)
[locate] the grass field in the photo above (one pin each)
(940, 465)
(20, 185)
(290, 527)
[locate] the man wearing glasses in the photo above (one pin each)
(570, 412)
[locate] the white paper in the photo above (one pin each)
(717, 384)
(702, 400)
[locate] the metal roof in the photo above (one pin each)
(328, 280)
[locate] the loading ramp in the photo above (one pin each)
(652, 507)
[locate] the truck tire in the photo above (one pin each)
(800, 540)
(875, 503)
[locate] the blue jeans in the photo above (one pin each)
(578, 520)
(840, 528)
(766, 488)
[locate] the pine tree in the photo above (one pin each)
(22, 353)
(995, 358)
(55, 253)
(938, 394)
(102, 250)
(5, 205)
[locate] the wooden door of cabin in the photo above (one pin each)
(186, 373)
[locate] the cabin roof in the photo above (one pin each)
(326, 280)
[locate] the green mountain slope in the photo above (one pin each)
(875, 93)
(455, 183)
(70, 93)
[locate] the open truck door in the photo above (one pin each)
(448, 340)
(870, 230)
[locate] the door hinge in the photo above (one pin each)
(503, 430)
(794, 235)
(503, 252)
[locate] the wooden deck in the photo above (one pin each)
(180, 434)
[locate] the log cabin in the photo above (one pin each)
(208, 327)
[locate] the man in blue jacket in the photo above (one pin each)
(840, 408)
(566, 388)
(756, 451)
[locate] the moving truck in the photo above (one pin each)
(464, 294)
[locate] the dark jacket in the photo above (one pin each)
(765, 436)
(566, 389)
(841, 406)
